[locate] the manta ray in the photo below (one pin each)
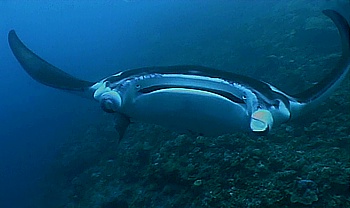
(191, 98)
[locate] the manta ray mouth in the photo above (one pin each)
(224, 94)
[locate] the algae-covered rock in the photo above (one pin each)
(304, 192)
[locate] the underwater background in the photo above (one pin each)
(59, 150)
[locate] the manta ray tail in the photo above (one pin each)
(42, 71)
(322, 90)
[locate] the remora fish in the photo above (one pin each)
(193, 98)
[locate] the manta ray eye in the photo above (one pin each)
(108, 84)
(110, 101)
(276, 104)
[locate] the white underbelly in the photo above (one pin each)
(189, 110)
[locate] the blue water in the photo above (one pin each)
(35, 120)
(91, 40)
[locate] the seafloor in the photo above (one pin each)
(300, 164)
(155, 167)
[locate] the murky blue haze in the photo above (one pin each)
(93, 39)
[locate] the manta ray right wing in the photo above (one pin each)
(312, 97)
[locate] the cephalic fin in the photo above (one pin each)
(121, 123)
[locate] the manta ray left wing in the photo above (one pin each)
(47, 74)
(44, 72)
